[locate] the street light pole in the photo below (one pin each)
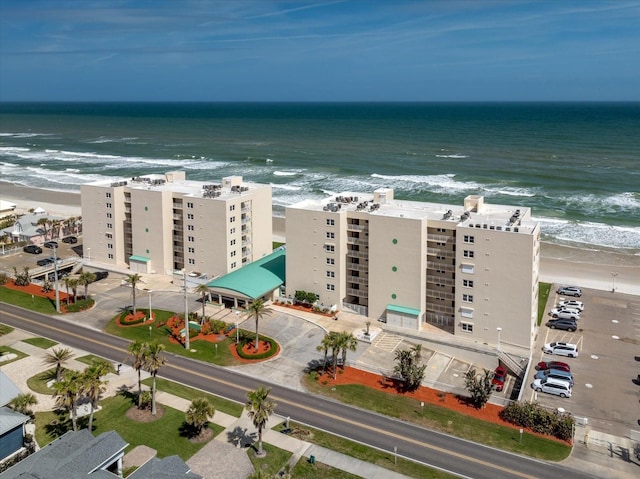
(186, 312)
(150, 310)
(89, 255)
(499, 329)
(55, 273)
(613, 275)
(237, 330)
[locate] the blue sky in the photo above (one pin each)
(352, 50)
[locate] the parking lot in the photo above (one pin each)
(606, 390)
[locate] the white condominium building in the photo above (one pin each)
(165, 223)
(470, 270)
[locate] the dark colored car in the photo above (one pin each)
(499, 377)
(553, 365)
(51, 244)
(33, 249)
(70, 240)
(101, 275)
(44, 261)
(566, 324)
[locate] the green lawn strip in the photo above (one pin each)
(223, 405)
(163, 434)
(362, 452)
(38, 383)
(90, 359)
(543, 296)
(318, 470)
(27, 301)
(5, 329)
(204, 350)
(274, 460)
(446, 420)
(43, 343)
(7, 350)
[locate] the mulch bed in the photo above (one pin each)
(204, 436)
(132, 318)
(144, 415)
(263, 346)
(36, 290)
(299, 307)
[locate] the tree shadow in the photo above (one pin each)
(239, 437)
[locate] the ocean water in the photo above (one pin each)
(577, 165)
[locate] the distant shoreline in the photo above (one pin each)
(590, 268)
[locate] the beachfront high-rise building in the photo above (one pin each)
(166, 223)
(470, 270)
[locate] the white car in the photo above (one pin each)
(561, 349)
(563, 313)
(570, 303)
(552, 386)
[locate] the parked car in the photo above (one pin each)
(553, 365)
(44, 261)
(101, 275)
(51, 244)
(499, 377)
(552, 386)
(561, 349)
(570, 291)
(556, 374)
(565, 314)
(570, 303)
(566, 324)
(56, 259)
(32, 248)
(70, 240)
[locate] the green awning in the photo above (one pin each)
(403, 310)
(141, 259)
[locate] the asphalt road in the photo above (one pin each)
(459, 456)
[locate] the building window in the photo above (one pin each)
(109, 236)
(190, 239)
(330, 248)
(330, 287)
(331, 234)
(331, 274)
(331, 261)
(109, 215)
(233, 253)
(468, 253)
(467, 268)
(109, 226)
(109, 205)
(467, 298)
(189, 205)
(467, 283)
(467, 327)
(190, 227)
(189, 216)
(191, 250)
(192, 261)
(232, 207)
(232, 231)
(469, 239)
(233, 265)
(110, 256)
(331, 222)
(110, 245)
(441, 230)
(108, 195)
(232, 219)
(232, 242)
(466, 312)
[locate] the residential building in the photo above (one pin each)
(470, 270)
(166, 223)
(12, 423)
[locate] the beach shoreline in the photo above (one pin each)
(560, 264)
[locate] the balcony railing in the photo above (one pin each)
(357, 254)
(361, 293)
(434, 293)
(357, 267)
(352, 227)
(357, 279)
(441, 252)
(434, 265)
(438, 308)
(441, 280)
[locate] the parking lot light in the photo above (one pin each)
(613, 276)
(499, 329)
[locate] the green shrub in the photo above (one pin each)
(80, 305)
(267, 354)
(538, 419)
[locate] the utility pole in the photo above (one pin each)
(186, 312)
(55, 273)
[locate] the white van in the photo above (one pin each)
(565, 313)
(552, 386)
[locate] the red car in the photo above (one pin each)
(554, 365)
(499, 377)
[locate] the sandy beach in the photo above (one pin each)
(589, 268)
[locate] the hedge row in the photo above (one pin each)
(267, 354)
(534, 417)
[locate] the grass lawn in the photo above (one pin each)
(43, 343)
(445, 420)
(275, 459)
(38, 383)
(26, 301)
(7, 350)
(223, 405)
(204, 350)
(90, 359)
(4, 329)
(319, 471)
(360, 451)
(163, 435)
(543, 296)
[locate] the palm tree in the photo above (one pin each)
(154, 360)
(22, 403)
(67, 281)
(324, 347)
(138, 354)
(348, 342)
(44, 222)
(198, 414)
(67, 394)
(260, 409)
(93, 386)
(85, 279)
(257, 310)
(203, 289)
(335, 345)
(73, 283)
(133, 280)
(57, 357)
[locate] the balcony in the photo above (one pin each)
(357, 279)
(357, 267)
(358, 254)
(439, 238)
(177, 205)
(441, 280)
(352, 227)
(245, 219)
(358, 241)
(360, 293)
(433, 265)
(441, 252)
(434, 293)
(438, 308)
(177, 216)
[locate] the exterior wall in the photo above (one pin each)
(11, 441)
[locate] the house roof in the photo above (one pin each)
(8, 390)
(167, 468)
(9, 419)
(27, 226)
(255, 279)
(403, 309)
